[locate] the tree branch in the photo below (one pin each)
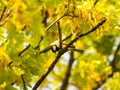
(3, 12)
(88, 32)
(96, 1)
(49, 47)
(37, 47)
(65, 14)
(60, 35)
(94, 4)
(54, 22)
(115, 56)
(24, 50)
(62, 51)
(24, 85)
(77, 50)
(68, 72)
(114, 69)
(6, 18)
(77, 37)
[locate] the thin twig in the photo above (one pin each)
(3, 12)
(67, 37)
(7, 14)
(94, 4)
(86, 33)
(24, 27)
(115, 56)
(49, 69)
(65, 14)
(4, 21)
(27, 47)
(37, 47)
(68, 72)
(62, 51)
(9, 64)
(76, 50)
(49, 47)
(54, 22)
(24, 85)
(114, 69)
(59, 78)
(6, 18)
(60, 35)
(45, 49)
(69, 1)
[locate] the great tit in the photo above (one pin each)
(54, 48)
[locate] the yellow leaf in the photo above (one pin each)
(2, 86)
(4, 58)
(19, 16)
(79, 44)
(48, 62)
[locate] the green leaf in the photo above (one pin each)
(7, 76)
(117, 62)
(19, 72)
(105, 44)
(10, 87)
(37, 30)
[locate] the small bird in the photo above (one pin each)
(54, 48)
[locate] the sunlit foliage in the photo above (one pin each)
(25, 31)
